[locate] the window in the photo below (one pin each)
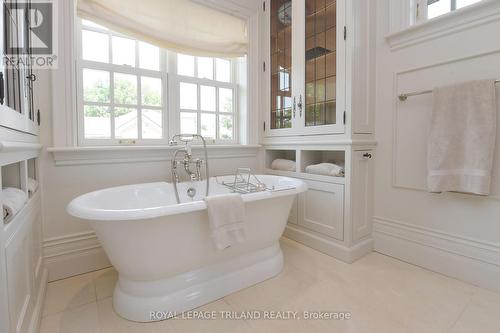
(437, 8)
(127, 93)
(206, 97)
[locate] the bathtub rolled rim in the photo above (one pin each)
(80, 208)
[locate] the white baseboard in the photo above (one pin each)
(329, 246)
(38, 309)
(466, 259)
(73, 254)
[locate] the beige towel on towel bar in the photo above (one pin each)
(226, 216)
(461, 140)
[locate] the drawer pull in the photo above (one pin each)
(367, 155)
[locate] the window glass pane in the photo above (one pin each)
(225, 127)
(188, 96)
(151, 91)
(189, 123)
(95, 86)
(465, 3)
(97, 122)
(92, 24)
(206, 68)
(125, 123)
(185, 65)
(207, 98)
(152, 125)
(95, 46)
(225, 100)
(438, 8)
(223, 70)
(149, 56)
(123, 51)
(125, 89)
(208, 125)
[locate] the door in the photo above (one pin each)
(279, 105)
(321, 209)
(322, 95)
(362, 187)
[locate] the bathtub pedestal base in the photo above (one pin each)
(147, 301)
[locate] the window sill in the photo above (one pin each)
(465, 18)
(134, 154)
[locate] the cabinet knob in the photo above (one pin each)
(367, 155)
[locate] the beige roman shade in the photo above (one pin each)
(178, 25)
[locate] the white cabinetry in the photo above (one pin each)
(321, 208)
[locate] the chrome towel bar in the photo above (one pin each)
(403, 97)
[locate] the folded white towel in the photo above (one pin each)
(461, 140)
(326, 169)
(226, 216)
(13, 199)
(32, 186)
(283, 164)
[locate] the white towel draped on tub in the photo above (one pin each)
(283, 164)
(226, 215)
(13, 199)
(462, 138)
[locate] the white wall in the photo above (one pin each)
(455, 234)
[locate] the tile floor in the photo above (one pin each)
(381, 294)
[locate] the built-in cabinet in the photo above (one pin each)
(17, 76)
(23, 276)
(306, 67)
(317, 106)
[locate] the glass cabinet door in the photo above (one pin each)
(320, 103)
(281, 63)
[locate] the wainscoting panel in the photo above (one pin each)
(471, 260)
(73, 254)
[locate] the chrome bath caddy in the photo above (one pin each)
(245, 182)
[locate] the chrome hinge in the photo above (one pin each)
(264, 6)
(345, 115)
(345, 32)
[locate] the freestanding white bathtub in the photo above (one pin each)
(166, 260)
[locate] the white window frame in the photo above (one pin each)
(176, 79)
(112, 68)
(170, 93)
(421, 7)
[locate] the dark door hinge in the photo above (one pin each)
(264, 126)
(345, 115)
(345, 32)
(264, 6)
(264, 66)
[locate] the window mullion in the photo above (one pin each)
(112, 103)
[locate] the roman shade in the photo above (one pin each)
(178, 25)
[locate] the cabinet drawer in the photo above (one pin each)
(321, 209)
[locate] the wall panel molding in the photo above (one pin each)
(397, 105)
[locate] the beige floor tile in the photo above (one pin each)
(69, 293)
(105, 281)
(482, 314)
(109, 321)
(207, 325)
(277, 293)
(82, 319)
